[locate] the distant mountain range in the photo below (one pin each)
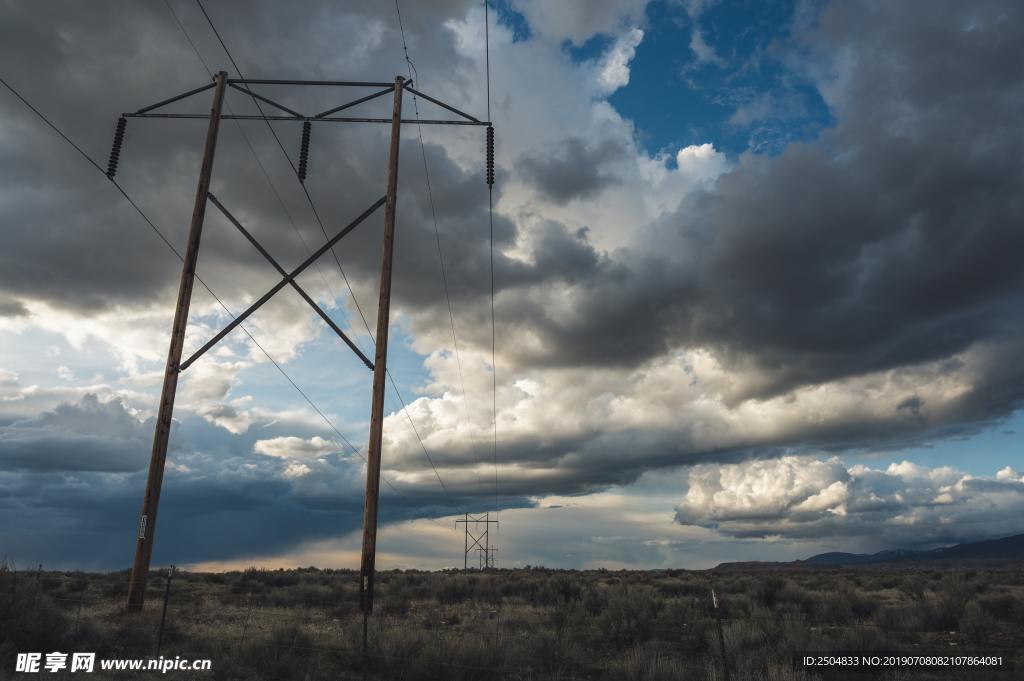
(993, 550)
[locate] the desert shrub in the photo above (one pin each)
(592, 600)
(976, 624)
(791, 636)
(854, 639)
(281, 655)
(455, 591)
(912, 587)
(677, 613)
(844, 605)
(798, 600)
(134, 633)
(77, 583)
(279, 579)
(629, 616)
(955, 590)
(741, 637)
(248, 584)
(891, 619)
(774, 671)
(30, 620)
(93, 634)
(648, 663)
(890, 582)
(567, 617)
(834, 608)
(399, 648)
(732, 605)
(768, 590)
(1003, 606)
(312, 595)
(392, 607)
(561, 589)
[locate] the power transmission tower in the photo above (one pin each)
(478, 540)
(174, 366)
(487, 557)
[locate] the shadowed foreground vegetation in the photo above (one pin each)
(530, 624)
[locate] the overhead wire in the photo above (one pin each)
(337, 261)
(156, 230)
(252, 149)
(412, 67)
(413, 74)
(490, 219)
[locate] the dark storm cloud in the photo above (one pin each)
(70, 240)
(89, 436)
(572, 169)
(891, 241)
(219, 500)
(12, 308)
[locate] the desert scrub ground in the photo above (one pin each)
(528, 624)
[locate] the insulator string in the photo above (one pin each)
(304, 150)
(115, 148)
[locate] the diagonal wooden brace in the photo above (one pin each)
(295, 285)
(288, 278)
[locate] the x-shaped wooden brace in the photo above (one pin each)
(288, 278)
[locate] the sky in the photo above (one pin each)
(757, 291)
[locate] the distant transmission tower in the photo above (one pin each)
(174, 366)
(477, 539)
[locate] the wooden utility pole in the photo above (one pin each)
(151, 500)
(380, 368)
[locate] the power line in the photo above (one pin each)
(437, 233)
(316, 214)
(426, 171)
(252, 150)
(166, 241)
(309, 199)
(490, 218)
(494, 372)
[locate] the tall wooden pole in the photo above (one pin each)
(151, 500)
(380, 369)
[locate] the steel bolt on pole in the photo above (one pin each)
(366, 569)
(154, 481)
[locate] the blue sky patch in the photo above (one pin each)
(720, 78)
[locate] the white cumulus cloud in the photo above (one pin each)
(614, 67)
(904, 504)
(296, 448)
